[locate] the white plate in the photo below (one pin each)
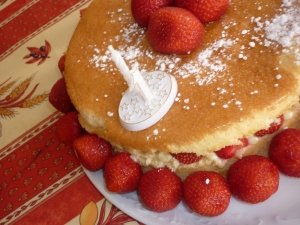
(283, 208)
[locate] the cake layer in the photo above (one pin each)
(211, 162)
(244, 74)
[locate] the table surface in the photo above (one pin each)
(41, 181)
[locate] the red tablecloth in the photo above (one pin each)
(41, 181)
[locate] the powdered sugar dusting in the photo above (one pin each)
(283, 28)
(210, 64)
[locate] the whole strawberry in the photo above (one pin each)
(160, 189)
(229, 151)
(61, 64)
(284, 151)
(253, 179)
(207, 193)
(59, 97)
(142, 9)
(92, 151)
(121, 173)
(174, 30)
(187, 158)
(273, 127)
(68, 127)
(205, 10)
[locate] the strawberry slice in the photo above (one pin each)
(273, 127)
(284, 151)
(206, 11)
(160, 189)
(142, 9)
(229, 151)
(206, 193)
(187, 158)
(253, 179)
(174, 30)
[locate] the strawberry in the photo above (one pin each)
(187, 158)
(68, 127)
(174, 30)
(92, 151)
(142, 9)
(205, 10)
(61, 64)
(160, 189)
(121, 173)
(253, 179)
(206, 192)
(229, 151)
(273, 127)
(59, 97)
(284, 151)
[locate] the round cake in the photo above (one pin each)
(244, 75)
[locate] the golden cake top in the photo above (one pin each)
(244, 74)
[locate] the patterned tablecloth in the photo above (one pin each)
(41, 181)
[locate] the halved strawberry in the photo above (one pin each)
(59, 97)
(121, 173)
(284, 151)
(206, 193)
(187, 158)
(174, 30)
(273, 127)
(229, 151)
(253, 179)
(205, 10)
(160, 189)
(142, 9)
(68, 127)
(92, 151)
